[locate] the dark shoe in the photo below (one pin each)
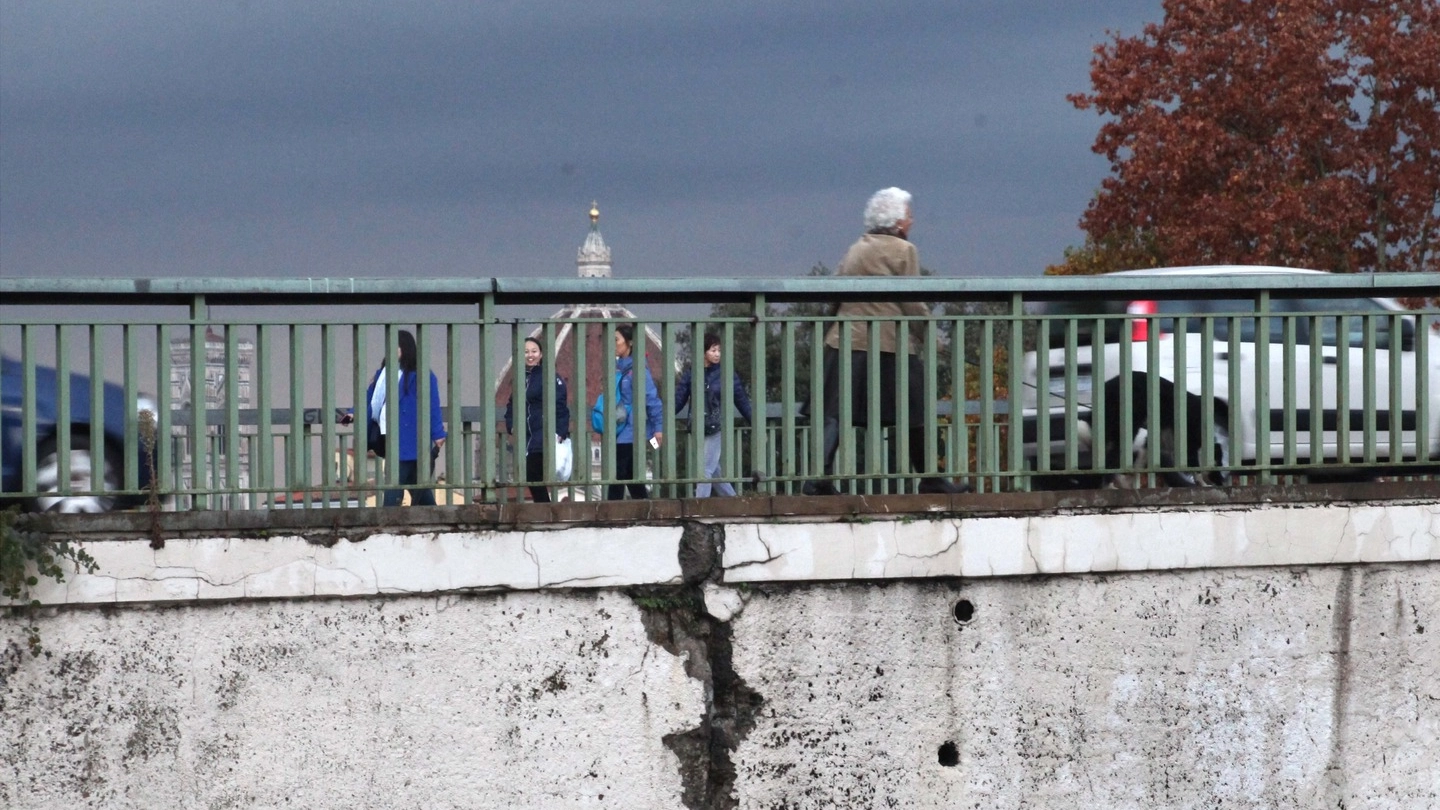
(940, 486)
(819, 488)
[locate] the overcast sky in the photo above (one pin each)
(442, 139)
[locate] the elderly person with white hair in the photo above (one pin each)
(882, 251)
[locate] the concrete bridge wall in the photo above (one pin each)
(1220, 657)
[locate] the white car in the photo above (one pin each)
(1346, 382)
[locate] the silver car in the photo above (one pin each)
(1308, 385)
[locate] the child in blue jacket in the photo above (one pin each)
(712, 399)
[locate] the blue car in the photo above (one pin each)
(49, 495)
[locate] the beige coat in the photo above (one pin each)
(879, 255)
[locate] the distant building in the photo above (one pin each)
(593, 261)
(216, 390)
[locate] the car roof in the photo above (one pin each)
(1220, 270)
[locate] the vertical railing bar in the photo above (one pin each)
(1013, 363)
(64, 440)
(489, 441)
(957, 448)
(845, 466)
(296, 475)
(1179, 337)
(329, 460)
(1423, 403)
(392, 408)
(130, 450)
(1126, 393)
(788, 407)
(1370, 372)
(359, 462)
(424, 474)
(761, 458)
(1342, 389)
(611, 391)
(931, 415)
(1316, 438)
(581, 435)
(1396, 400)
(1098, 418)
(1290, 371)
(1154, 424)
(670, 425)
(818, 416)
(875, 455)
(1207, 392)
(99, 453)
(265, 430)
(900, 434)
(1072, 395)
(1262, 388)
(987, 453)
(519, 414)
(163, 450)
(232, 412)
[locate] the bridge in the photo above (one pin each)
(1078, 629)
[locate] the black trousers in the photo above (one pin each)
(625, 470)
(535, 471)
(891, 404)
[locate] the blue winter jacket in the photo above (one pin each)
(654, 408)
(713, 397)
(409, 400)
(535, 410)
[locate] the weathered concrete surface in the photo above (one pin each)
(501, 700)
(1136, 540)
(1259, 688)
(294, 567)
(1220, 657)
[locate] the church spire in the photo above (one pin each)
(594, 258)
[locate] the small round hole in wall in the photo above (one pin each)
(949, 754)
(964, 611)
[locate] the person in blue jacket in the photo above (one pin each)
(713, 394)
(625, 434)
(534, 434)
(409, 403)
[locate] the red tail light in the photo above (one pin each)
(1140, 327)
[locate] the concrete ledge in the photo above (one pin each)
(291, 567)
(202, 556)
(1079, 544)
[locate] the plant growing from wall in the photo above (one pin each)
(25, 557)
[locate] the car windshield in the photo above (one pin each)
(1335, 317)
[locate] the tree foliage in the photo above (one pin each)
(1285, 132)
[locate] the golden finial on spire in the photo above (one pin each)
(594, 213)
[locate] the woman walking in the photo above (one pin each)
(408, 402)
(712, 397)
(624, 393)
(533, 435)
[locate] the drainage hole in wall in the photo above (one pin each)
(964, 611)
(949, 755)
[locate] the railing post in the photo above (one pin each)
(488, 441)
(761, 460)
(199, 427)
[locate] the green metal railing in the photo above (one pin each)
(1020, 383)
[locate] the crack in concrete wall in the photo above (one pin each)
(675, 619)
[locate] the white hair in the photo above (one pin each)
(886, 208)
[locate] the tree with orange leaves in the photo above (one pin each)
(1285, 132)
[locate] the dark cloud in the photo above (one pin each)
(276, 138)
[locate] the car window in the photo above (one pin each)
(1345, 329)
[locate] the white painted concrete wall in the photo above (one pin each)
(1266, 658)
(505, 700)
(1252, 688)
